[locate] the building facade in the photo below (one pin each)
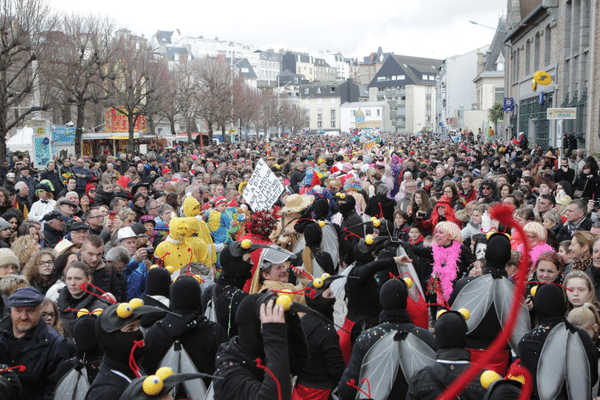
(322, 101)
(365, 115)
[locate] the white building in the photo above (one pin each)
(456, 92)
(364, 115)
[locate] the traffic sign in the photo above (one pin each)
(561, 113)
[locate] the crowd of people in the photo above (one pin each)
(379, 272)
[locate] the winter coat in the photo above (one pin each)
(378, 205)
(54, 178)
(228, 298)
(137, 275)
(41, 355)
(243, 380)
(586, 184)
(424, 383)
(200, 339)
(111, 381)
(103, 198)
(81, 182)
(30, 182)
(68, 318)
(52, 235)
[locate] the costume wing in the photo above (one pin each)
(409, 267)
(476, 296)
(317, 270)
(578, 369)
(180, 362)
(551, 367)
(73, 386)
(337, 286)
(300, 245)
(330, 244)
(415, 354)
(210, 393)
(503, 294)
(380, 367)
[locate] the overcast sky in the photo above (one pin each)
(427, 28)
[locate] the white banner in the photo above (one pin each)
(263, 189)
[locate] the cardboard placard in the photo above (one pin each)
(263, 188)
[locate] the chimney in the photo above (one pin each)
(480, 63)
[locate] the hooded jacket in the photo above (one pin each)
(378, 205)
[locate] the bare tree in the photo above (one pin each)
(76, 63)
(187, 103)
(22, 23)
(137, 78)
(246, 102)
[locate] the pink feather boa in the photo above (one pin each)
(445, 268)
(537, 251)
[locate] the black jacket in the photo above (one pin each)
(325, 362)
(381, 204)
(367, 340)
(228, 298)
(68, 318)
(243, 380)
(41, 351)
(566, 234)
(103, 198)
(430, 382)
(51, 235)
(295, 179)
(200, 339)
(108, 384)
(54, 178)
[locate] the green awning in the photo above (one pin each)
(565, 103)
(573, 102)
(582, 100)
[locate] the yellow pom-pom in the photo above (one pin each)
(124, 310)
(440, 313)
(246, 244)
(135, 303)
(488, 377)
(325, 276)
(152, 385)
(533, 291)
(376, 223)
(322, 224)
(154, 266)
(465, 313)
(519, 378)
(163, 372)
(97, 311)
(373, 219)
(369, 239)
(171, 269)
(199, 278)
(284, 301)
(341, 195)
(318, 283)
(82, 312)
(409, 282)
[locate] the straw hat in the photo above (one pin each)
(549, 155)
(297, 203)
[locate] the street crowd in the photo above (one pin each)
(385, 269)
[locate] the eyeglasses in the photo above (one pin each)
(48, 315)
(487, 188)
(49, 262)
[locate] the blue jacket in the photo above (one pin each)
(81, 182)
(136, 274)
(41, 355)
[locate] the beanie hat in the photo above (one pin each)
(321, 209)
(89, 187)
(84, 333)
(219, 200)
(7, 257)
(159, 282)
(313, 235)
(185, 294)
(444, 200)
(497, 252)
(451, 330)
(549, 302)
(393, 295)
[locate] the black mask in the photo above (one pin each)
(322, 305)
(117, 345)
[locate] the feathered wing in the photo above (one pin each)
(409, 267)
(73, 386)
(503, 295)
(415, 355)
(476, 296)
(578, 369)
(380, 367)
(180, 362)
(330, 244)
(551, 367)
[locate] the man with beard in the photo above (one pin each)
(54, 227)
(25, 339)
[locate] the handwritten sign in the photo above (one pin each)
(263, 188)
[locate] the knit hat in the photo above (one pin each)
(451, 330)
(321, 209)
(89, 187)
(3, 224)
(549, 302)
(497, 252)
(7, 257)
(393, 295)
(185, 294)
(84, 333)
(444, 200)
(219, 200)
(45, 185)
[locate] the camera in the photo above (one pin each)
(421, 214)
(596, 204)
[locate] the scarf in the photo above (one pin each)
(582, 265)
(445, 269)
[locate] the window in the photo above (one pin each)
(244, 70)
(499, 94)
(332, 114)
(548, 46)
(319, 124)
(319, 116)
(381, 79)
(333, 124)
(333, 89)
(367, 113)
(318, 90)
(378, 112)
(306, 91)
(353, 112)
(527, 58)
(536, 53)
(401, 77)
(424, 77)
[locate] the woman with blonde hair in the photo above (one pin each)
(23, 246)
(586, 318)
(127, 216)
(582, 244)
(11, 282)
(38, 270)
(579, 289)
